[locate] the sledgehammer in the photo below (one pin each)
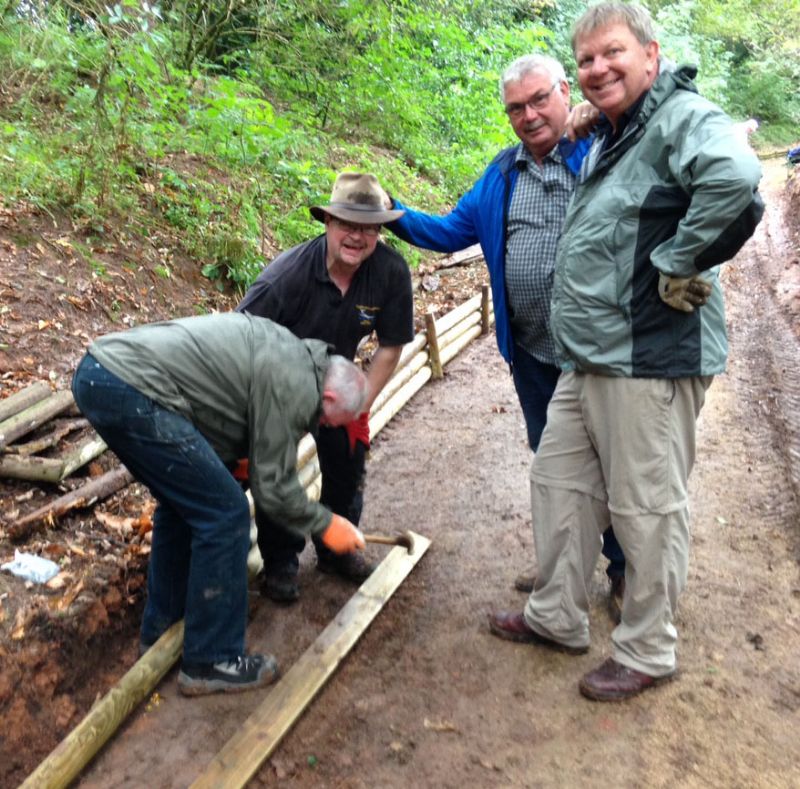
(406, 539)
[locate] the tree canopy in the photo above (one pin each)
(225, 118)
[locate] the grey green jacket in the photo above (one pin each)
(248, 385)
(676, 193)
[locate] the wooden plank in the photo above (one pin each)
(243, 754)
(29, 419)
(72, 754)
(23, 399)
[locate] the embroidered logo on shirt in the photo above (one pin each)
(367, 315)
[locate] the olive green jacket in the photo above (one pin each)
(248, 385)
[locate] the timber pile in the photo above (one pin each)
(38, 408)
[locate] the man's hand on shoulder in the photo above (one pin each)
(683, 293)
(582, 119)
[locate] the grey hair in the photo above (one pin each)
(635, 17)
(527, 64)
(348, 383)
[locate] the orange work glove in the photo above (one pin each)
(341, 536)
(358, 430)
(242, 470)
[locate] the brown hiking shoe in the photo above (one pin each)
(611, 681)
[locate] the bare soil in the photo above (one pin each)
(428, 696)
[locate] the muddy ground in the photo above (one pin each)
(428, 696)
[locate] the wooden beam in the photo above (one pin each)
(398, 380)
(23, 399)
(243, 754)
(379, 420)
(73, 753)
(455, 348)
(454, 332)
(29, 419)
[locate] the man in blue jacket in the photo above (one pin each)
(516, 211)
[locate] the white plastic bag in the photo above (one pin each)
(32, 568)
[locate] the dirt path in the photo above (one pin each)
(429, 697)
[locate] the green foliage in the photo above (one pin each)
(219, 123)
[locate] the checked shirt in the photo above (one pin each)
(536, 215)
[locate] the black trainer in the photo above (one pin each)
(282, 586)
(245, 672)
(352, 566)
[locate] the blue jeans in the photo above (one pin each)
(342, 493)
(535, 383)
(201, 526)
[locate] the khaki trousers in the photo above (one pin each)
(616, 449)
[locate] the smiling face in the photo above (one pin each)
(539, 129)
(614, 68)
(348, 245)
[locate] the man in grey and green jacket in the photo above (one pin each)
(179, 403)
(666, 194)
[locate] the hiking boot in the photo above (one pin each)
(280, 586)
(352, 566)
(513, 627)
(616, 593)
(526, 580)
(245, 672)
(611, 681)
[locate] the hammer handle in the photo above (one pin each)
(379, 538)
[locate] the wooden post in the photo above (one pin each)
(484, 309)
(433, 346)
(73, 753)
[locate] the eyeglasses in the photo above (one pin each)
(537, 102)
(348, 227)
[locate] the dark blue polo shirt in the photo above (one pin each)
(296, 291)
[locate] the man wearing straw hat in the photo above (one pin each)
(338, 287)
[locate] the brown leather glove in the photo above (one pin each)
(683, 293)
(341, 536)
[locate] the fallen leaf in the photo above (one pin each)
(114, 522)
